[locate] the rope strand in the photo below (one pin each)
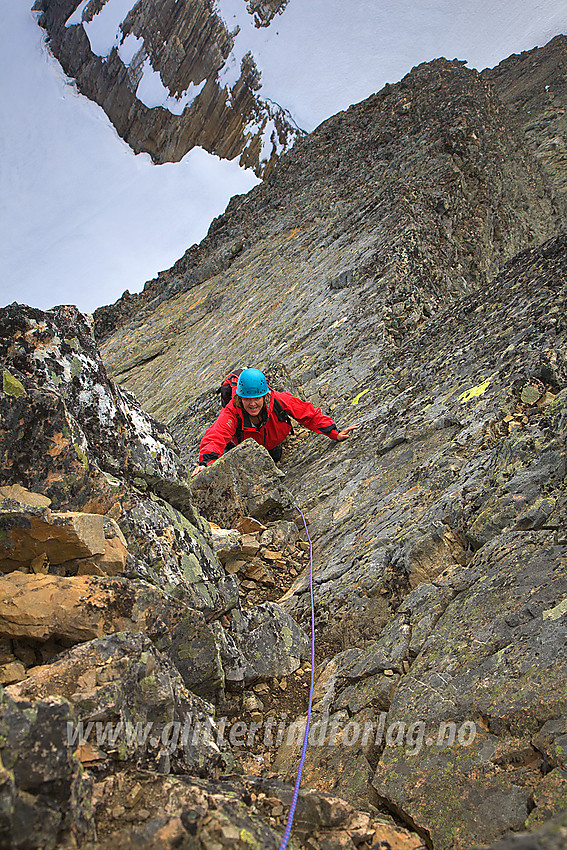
(291, 814)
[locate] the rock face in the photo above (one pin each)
(533, 86)
(71, 434)
(406, 266)
(209, 97)
(403, 267)
(364, 230)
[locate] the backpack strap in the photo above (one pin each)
(281, 413)
(238, 435)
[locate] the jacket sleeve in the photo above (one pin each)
(218, 435)
(308, 415)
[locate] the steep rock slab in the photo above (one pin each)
(205, 100)
(533, 85)
(44, 793)
(488, 677)
(462, 449)
(448, 454)
(364, 230)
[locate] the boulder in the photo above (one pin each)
(242, 482)
(130, 705)
(175, 554)
(28, 533)
(227, 543)
(271, 641)
(44, 792)
(80, 608)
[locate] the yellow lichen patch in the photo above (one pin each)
(555, 613)
(11, 386)
(357, 398)
(474, 392)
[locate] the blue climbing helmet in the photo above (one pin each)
(251, 384)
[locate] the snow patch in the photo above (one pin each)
(152, 92)
(129, 48)
(270, 140)
(240, 24)
(77, 16)
(103, 31)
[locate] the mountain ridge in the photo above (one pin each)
(405, 267)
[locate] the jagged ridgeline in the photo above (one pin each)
(207, 95)
(404, 266)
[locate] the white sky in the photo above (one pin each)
(82, 218)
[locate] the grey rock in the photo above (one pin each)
(44, 792)
(242, 482)
(270, 639)
(130, 705)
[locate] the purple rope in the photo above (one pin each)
(291, 814)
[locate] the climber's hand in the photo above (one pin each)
(197, 470)
(343, 435)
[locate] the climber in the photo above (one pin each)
(263, 414)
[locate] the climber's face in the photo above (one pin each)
(253, 406)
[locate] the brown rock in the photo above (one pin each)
(234, 567)
(256, 571)
(58, 536)
(12, 672)
(73, 609)
(249, 525)
(24, 496)
(250, 545)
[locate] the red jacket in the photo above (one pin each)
(233, 425)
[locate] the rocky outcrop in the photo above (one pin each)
(76, 438)
(169, 78)
(364, 230)
(533, 87)
(439, 555)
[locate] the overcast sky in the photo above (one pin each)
(82, 218)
